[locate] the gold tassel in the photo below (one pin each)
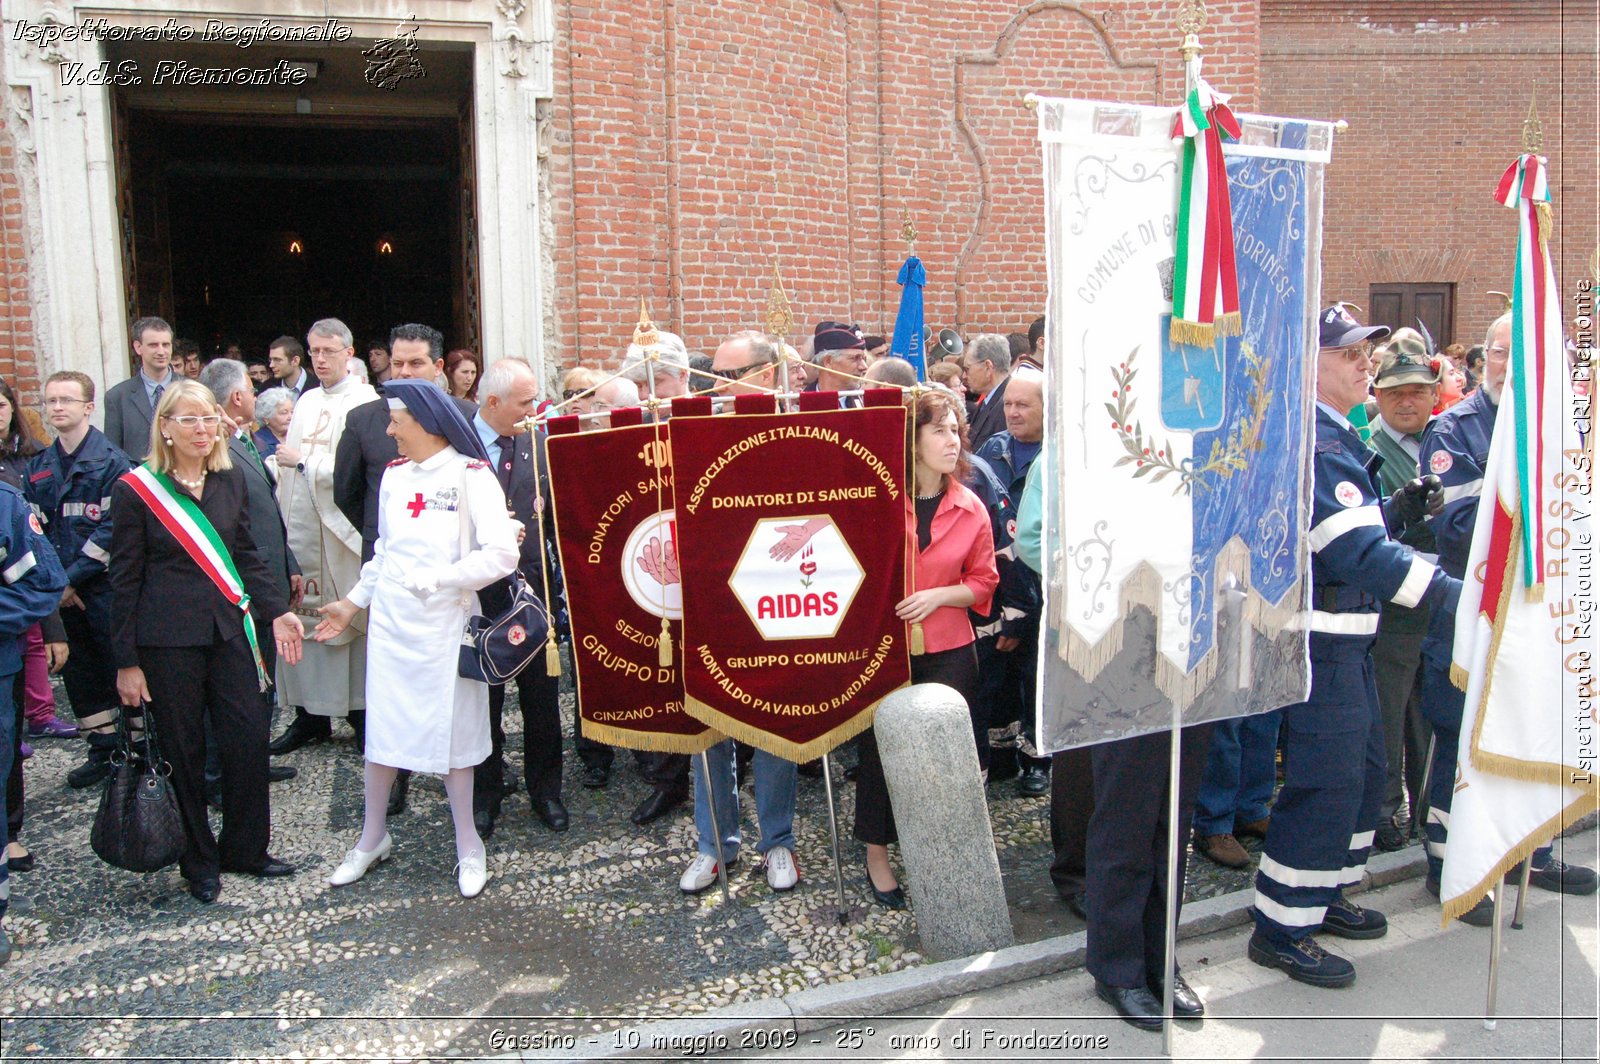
(664, 646)
(1459, 676)
(1546, 218)
(552, 657)
(1534, 593)
(916, 638)
(1192, 333)
(1231, 323)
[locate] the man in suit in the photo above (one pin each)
(987, 364)
(286, 358)
(230, 382)
(365, 450)
(131, 405)
(508, 392)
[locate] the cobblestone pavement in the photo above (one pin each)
(575, 933)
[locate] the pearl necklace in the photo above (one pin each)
(926, 498)
(193, 485)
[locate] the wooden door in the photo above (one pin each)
(1405, 304)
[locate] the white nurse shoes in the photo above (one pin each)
(356, 863)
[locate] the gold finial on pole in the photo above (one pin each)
(780, 319)
(645, 333)
(1504, 299)
(1191, 20)
(908, 233)
(1532, 128)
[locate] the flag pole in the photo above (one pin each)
(1489, 1020)
(1191, 19)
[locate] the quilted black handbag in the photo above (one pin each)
(495, 649)
(137, 826)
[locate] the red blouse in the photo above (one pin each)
(961, 551)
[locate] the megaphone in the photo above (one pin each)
(949, 342)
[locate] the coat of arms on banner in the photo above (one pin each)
(1181, 583)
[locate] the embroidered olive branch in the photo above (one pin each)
(1148, 457)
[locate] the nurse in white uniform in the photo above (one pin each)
(443, 533)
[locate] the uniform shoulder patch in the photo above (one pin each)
(397, 461)
(1347, 494)
(33, 523)
(1329, 447)
(1441, 462)
(43, 474)
(476, 464)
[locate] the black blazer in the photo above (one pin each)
(530, 481)
(990, 418)
(365, 451)
(266, 520)
(161, 598)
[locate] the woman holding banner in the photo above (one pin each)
(186, 579)
(948, 528)
(443, 534)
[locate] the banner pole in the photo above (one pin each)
(1175, 835)
(1522, 892)
(833, 832)
(711, 807)
(1489, 1020)
(1422, 797)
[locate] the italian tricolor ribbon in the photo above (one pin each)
(1205, 290)
(193, 530)
(1537, 353)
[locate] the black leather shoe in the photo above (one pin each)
(595, 776)
(205, 890)
(552, 812)
(279, 773)
(483, 821)
(1186, 1004)
(398, 791)
(271, 868)
(1136, 1005)
(25, 863)
(304, 729)
(661, 801)
(98, 765)
(889, 899)
(1032, 783)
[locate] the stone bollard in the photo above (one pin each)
(925, 738)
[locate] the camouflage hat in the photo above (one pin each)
(1404, 359)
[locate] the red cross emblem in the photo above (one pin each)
(416, 506)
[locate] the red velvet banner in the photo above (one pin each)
(794, 526)
(612, 495)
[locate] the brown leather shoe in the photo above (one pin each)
(1252, 829)
(1223, 849)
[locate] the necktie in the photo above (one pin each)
(503, 468)
(255, 453)
(155, 395)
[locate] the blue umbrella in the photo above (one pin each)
(907, 343)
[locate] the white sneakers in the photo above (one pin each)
(472, 873)
(782, 874)
(356, 863)
(701, 873)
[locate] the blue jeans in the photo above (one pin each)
(1239, 775)
(8, 750)
(774, 789)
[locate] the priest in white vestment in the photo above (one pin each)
(330, 680)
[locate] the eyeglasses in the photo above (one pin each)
(572, 393)
(61, 400)
(328, 351)
(190, 421)
(739, 371)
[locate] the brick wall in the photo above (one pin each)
(698, 144)
(1435, 95)
(18, 357)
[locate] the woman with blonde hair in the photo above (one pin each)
(187, 582)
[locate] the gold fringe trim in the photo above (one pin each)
(1231, 324)
(1459, 676)
(1534, 593)
(1547, 221)
(1553, 772)
(1462, 903)
(799, 753)
(1192, 333)
(655, 742)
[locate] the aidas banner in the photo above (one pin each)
(612, 494)
(793, 528)
(1175, 516)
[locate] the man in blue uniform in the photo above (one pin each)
(1334, 766)
(31, 582)
(69, 484)
(1456, 449)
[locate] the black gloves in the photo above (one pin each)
(1421, 498)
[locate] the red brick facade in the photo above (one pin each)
(700, 144)
(1435, 94)
(18, 357)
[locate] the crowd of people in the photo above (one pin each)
(303, 534)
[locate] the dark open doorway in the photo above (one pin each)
(246, 219)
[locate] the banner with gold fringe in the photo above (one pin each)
(612, 496)
(795, 559)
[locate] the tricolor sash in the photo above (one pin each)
(193, 530)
